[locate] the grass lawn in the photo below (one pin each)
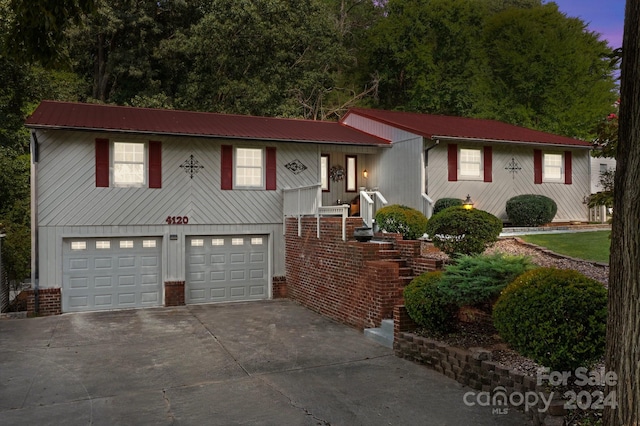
(583, 245)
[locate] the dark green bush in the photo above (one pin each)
(531, 210)
(457, 231)
(402, 220)
(479, 279)
(426, 305)
(556, 317)
(444, 203)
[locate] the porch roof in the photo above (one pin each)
(447, 127)
(96, 117)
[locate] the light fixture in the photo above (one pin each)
(468, 204)
(365, 173)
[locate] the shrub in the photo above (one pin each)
(531, 210)
(402, 220)
(479, 279)
(444, 203)
(456, 230)
(556, 317)
(426, 305)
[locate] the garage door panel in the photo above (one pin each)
(227, 275)
(103, 263)
(111, 273)
(197, 259)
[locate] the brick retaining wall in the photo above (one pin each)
(49, 302)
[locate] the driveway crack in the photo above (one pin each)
(168, 403)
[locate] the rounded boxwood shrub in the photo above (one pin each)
(478, 280)
(531, 210)
(457, 231)
(556, 317)
(427, 306)
(444, 203)
(402, 220)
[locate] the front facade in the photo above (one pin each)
(126, 200)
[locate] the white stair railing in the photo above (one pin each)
(427, 205)
(301, 201)
(370, 202)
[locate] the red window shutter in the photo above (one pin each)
(102, 163)
(452, 151)
(226, 168)
(270, 180)
(537, 166)
(488, 164)
(155, 164)
(567, 168)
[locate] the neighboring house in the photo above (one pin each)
(600, 165)
(129, 200)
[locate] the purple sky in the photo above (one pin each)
(605, 17)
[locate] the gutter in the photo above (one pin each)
(505, 142)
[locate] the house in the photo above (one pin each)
(137, 207)
(600, 165)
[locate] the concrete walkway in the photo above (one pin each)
(259, 363)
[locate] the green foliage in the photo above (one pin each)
(479, 279)
(16, 246)
(457, 231)
(444, 203)
(426, 304)
(403, 220)
(531, 210)
(556, 317)
(546, 72)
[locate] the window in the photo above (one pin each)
(128, 164)
(101, 245)
(126, 244)
(256, 241)
(352, 182)
(552, 167)
(217, 241)
(237, 241)
(470, 163)
(324, 172)
(249, 167)
(149, 243)
(78, 245)
(197, 243)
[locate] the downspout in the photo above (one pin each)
(35, 270)
(426, 165)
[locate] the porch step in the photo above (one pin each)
(382, 334)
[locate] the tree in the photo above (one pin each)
(266, 57)
(548, 72)
(37, 27)
(623, 356)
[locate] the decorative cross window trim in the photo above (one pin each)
(191, 166)
(513, 167)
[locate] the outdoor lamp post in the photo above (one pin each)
(468, 204)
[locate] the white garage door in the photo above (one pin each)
(111, 273)
(226, 268)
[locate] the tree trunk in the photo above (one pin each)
(623, 326)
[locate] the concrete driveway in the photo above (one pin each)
(258, 363)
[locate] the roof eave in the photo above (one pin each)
(510, 142)
(197, 135)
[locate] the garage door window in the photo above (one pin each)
(237, 241)
(217, 242)
(197, 243)
(102, 245)
(149, 243)
(256, 241)
(126, 244)
(78, 245)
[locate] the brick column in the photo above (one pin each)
(174, 293)
(49, 302)
(279, 290)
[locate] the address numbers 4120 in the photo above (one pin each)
(177, 220)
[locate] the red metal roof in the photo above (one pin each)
(79, 116)
(467, 128)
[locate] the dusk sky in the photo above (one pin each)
(605, 17)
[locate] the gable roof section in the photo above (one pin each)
(79, 116)
(446, 127)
